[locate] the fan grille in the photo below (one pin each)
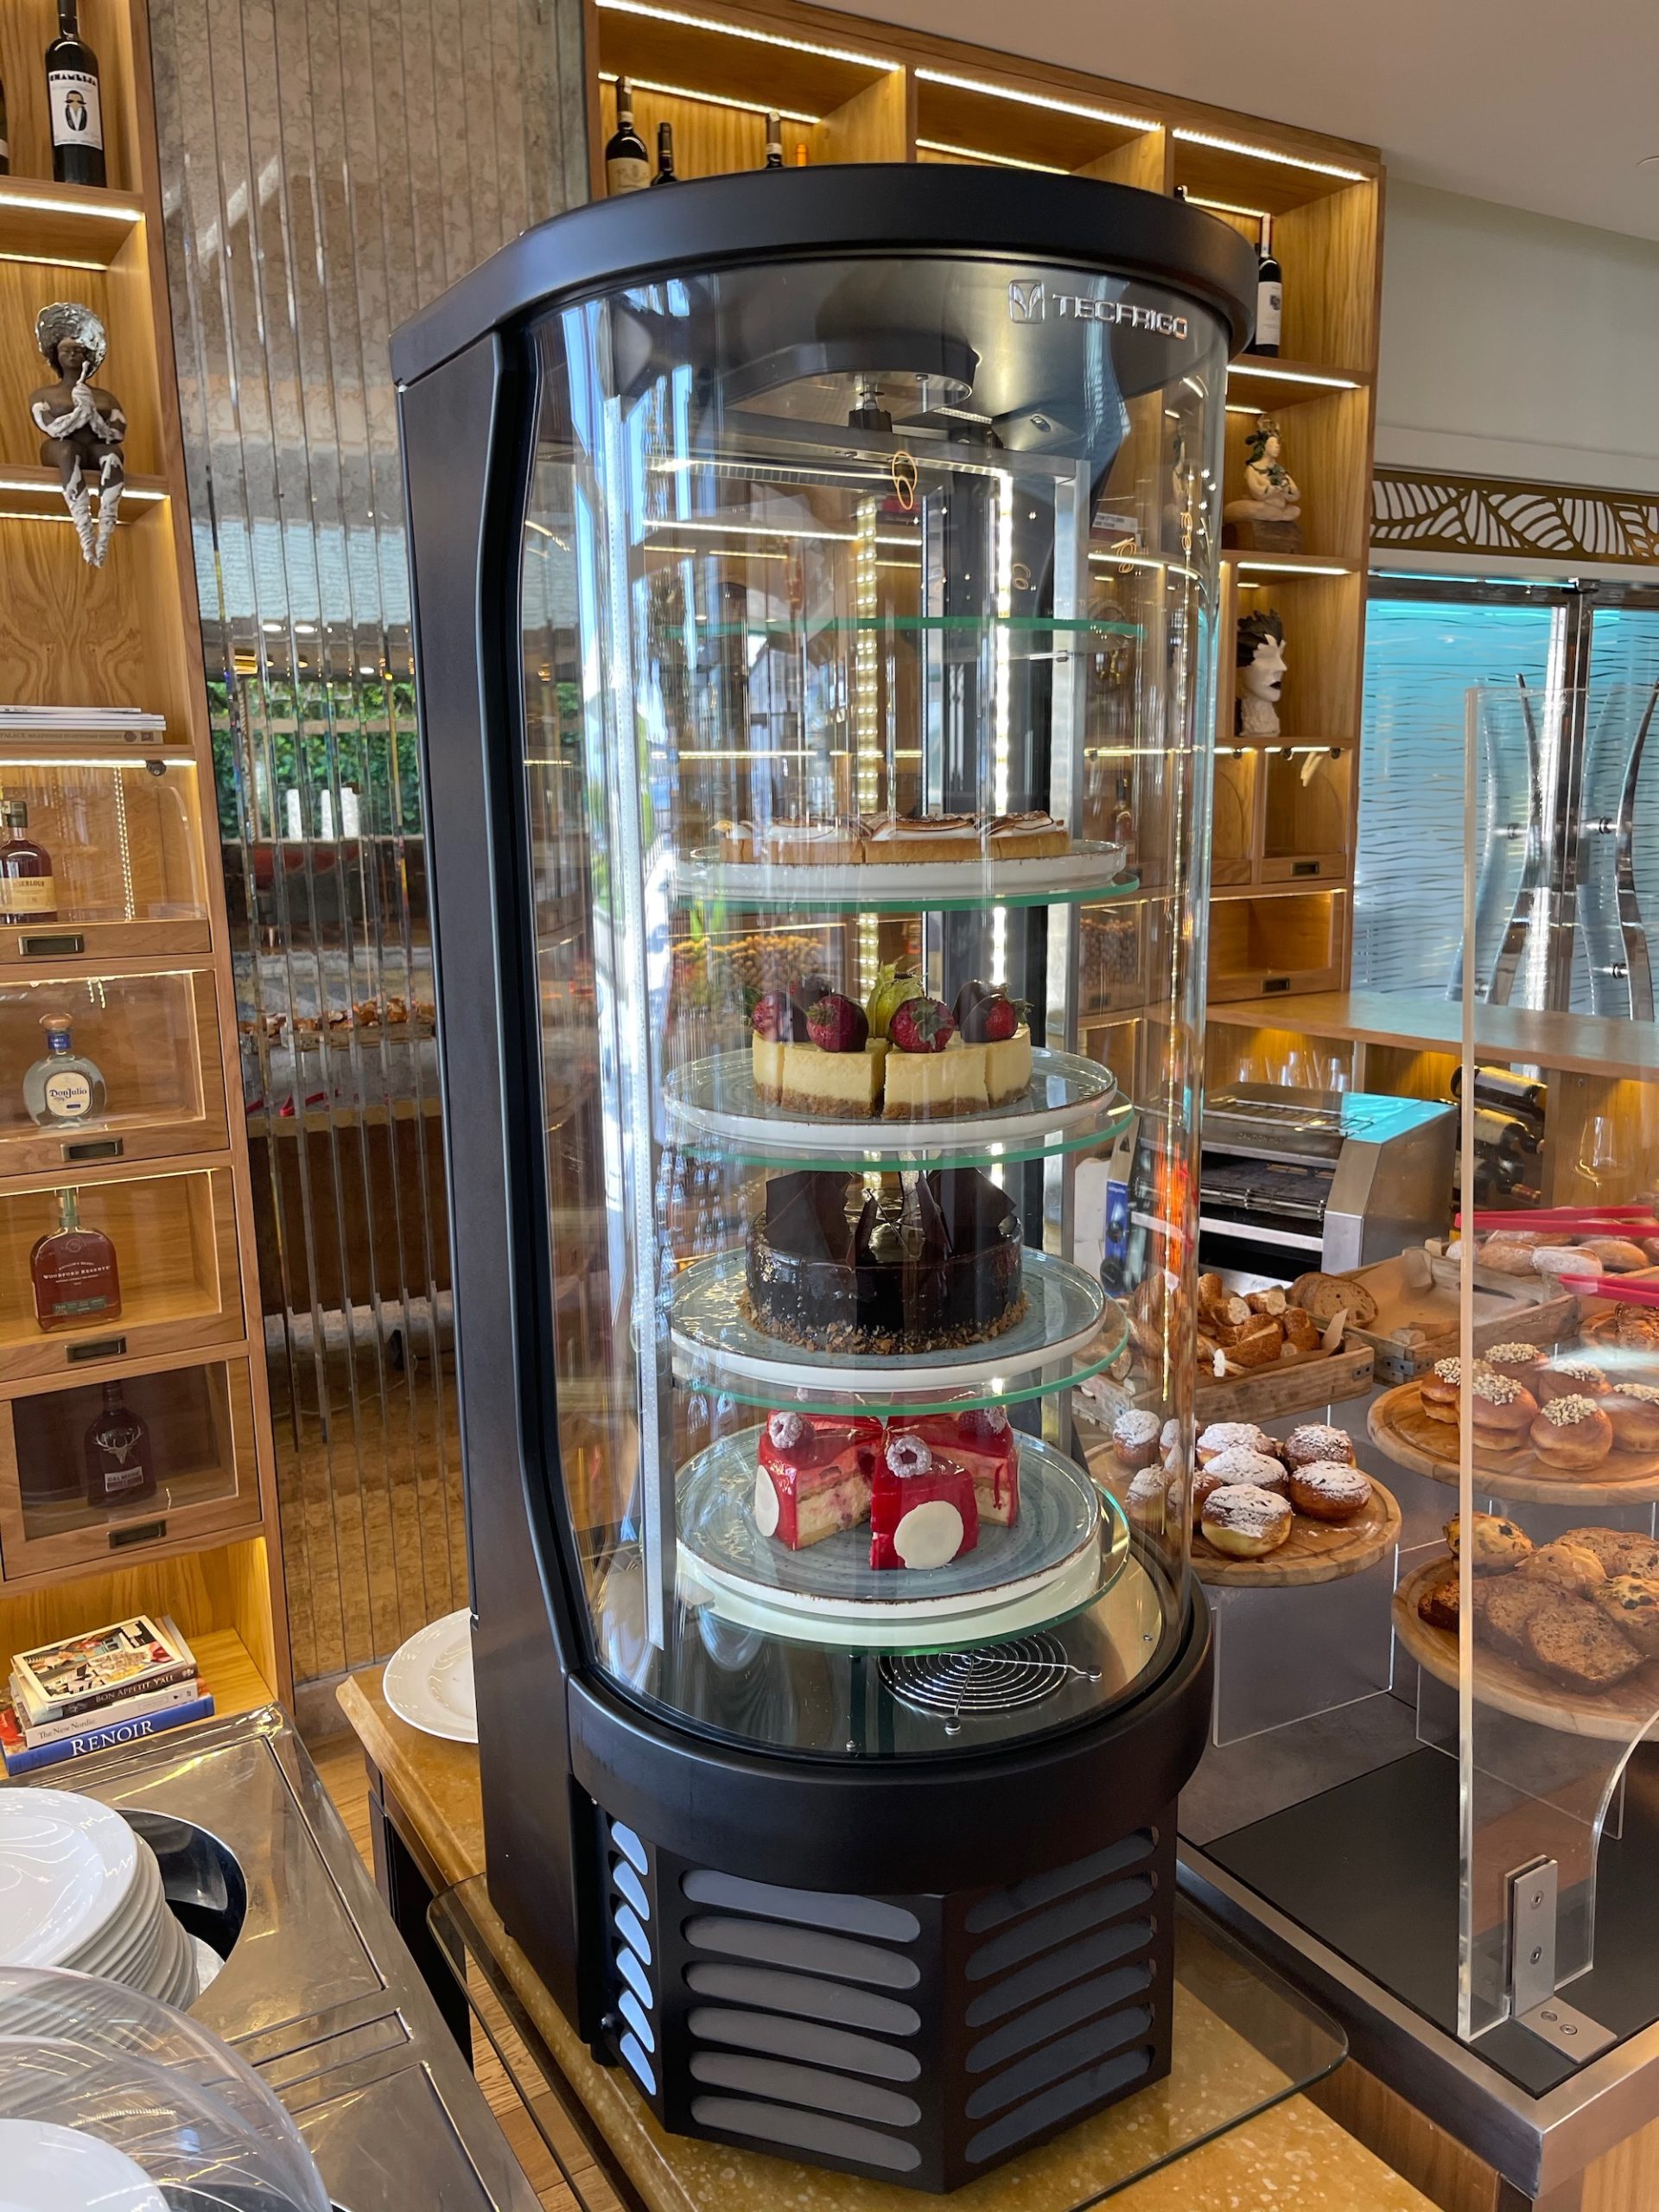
(971, 1685)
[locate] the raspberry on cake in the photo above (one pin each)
(923, 1511)
(983, 1441)
(815, 1475)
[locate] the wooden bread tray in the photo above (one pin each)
(1416, 1322)
(1299, 1385)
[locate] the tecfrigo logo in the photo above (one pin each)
(1030, 300)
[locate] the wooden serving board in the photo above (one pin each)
(1619, 1716)
(1301, 1385)
(1416, 1322)
(1412, 1439)
(1314, 1551)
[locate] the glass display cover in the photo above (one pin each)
(867, 620)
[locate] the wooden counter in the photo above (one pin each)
(1291, 2156)
(1575, 1043)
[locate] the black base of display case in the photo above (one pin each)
(1371, 1870)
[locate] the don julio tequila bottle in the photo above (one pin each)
(64, 1087)
(120, 1469)
(73, 1270)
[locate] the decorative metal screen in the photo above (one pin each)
(328, 170)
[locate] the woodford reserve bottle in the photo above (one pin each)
(73, 1270)
(27, 893)
(120, 1465)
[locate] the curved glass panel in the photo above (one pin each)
(867, 616)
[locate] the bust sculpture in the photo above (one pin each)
(83, 427)
(1261, 662)
(1267, 519)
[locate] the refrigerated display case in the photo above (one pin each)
(815, 593)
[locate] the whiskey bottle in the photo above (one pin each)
(1269, 295)
(64, 1088)
(120, 1466)
(72, 101)
(27, 891)
(664, 156)
(627, 165)
(73, 1270)
(774, 141)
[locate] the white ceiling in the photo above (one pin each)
(1546, 105)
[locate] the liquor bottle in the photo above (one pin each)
(800, 153)
(27, 891)
(774, 141)
(120, 1467)
(64, 1087)
(5, 150)
(627, 165)
(74, 1273)
(72, 97)
(664, 156)
(1269, 295)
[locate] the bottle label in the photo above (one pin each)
(27, 895)
(626, 173)
(1269, 313)
(77, 112)
(68, 1096)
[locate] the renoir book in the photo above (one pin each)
(84, 1673)
(101, 1735)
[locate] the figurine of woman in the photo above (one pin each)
(82, 426)
(1272, 502)
(1261, 661)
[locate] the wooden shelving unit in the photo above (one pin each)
(856, 90)
(138, 957)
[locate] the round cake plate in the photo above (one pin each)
(1066, 1546)
(1064, 1308)
(714, 1100)
(1085, 872)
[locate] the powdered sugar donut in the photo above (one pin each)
(1245, 1521)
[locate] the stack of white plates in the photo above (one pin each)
(78, 1888)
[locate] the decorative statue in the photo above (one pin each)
(83, 427)
(1265, 519)
(1261, 659)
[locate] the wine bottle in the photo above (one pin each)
(5, 150)
(1506, 1134)
(1506, 1092)
(774, 141)
(1269, 295)
(664, 156)
(72, 99)
(627, 165)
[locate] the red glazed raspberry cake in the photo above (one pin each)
(984, 1441)
(814, 1475)
(923, 1512)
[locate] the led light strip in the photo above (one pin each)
(709, 99)
(1290, 376)
(736, 529)
(1030, 99)
(57, 260)
(66, 761)
(745, 30)
(980, 154)
(1259, 153)
(46, 485)
(1291, 568)
(51, 203)
(1142, 561)
(1228, 207)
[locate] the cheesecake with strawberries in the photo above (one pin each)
(915, 1060)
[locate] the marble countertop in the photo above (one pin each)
(1290, 2157)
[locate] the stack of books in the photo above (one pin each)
(114, 1685)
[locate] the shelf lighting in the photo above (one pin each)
(658, 15)
(1027, 100)
(1254, 153)
(135, 492)
(709, 99)
(54, 203)
(1238, 407)
(1142, 561)
(57, 260)
(980, 154)
(1295, 568)
(775, 529)
(1291, 376)
(66, 761)
(1228, 207)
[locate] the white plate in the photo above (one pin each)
(67, 1864)
(208, 1965)
(1086, 871)
(714, 1100)
(118, 1943)
(45, 2168)
(429, 1681)
(1066, 1314)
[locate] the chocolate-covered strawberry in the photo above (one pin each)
(993, 1020)
(921, 1024)
(836, 1024)
(780, 1018)
(970, 995)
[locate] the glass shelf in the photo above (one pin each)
(1063, 1552)
(1069, 1331)
(1088, 873)
(1073, 1102)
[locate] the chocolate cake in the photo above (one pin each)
(912, 1262)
